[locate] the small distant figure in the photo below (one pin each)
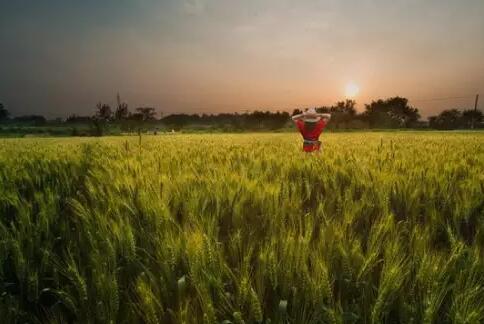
(311, 125)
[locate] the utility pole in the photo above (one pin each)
(475, 110)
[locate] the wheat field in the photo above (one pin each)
(378, 228)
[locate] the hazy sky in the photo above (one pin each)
(59, 57)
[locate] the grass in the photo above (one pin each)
(381, 227)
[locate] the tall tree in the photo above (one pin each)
(101, 118)
(104, 112)
(392, 112)
(447, 119)
(4, 114)
(122, 111)
(343, 112)
(147, 113)
(469, 116)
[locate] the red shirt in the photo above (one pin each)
(311, 134)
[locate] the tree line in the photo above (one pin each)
(397, 113)
(388, 113)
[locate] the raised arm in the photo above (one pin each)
(298, 116)
(326, 116)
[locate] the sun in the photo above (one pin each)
(352, 90)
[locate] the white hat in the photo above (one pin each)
(310, 115)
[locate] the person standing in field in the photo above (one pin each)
(311, 125)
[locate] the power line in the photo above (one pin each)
(444, 98)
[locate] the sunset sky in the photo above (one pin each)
(60, 57)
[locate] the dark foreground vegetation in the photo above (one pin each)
(392, 113)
